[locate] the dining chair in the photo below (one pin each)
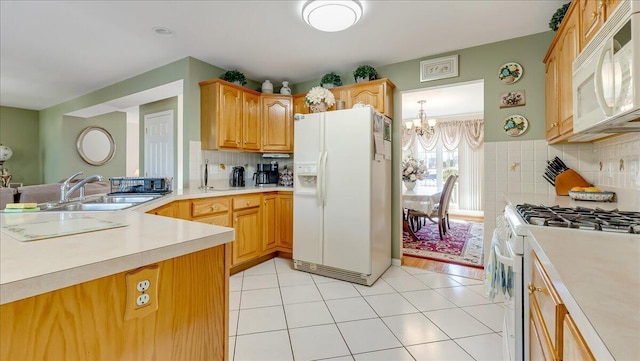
(416, 219)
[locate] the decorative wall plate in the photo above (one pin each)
(510, 73)
(515, 125)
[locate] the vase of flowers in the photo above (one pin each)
(412, 171)
(319, 99)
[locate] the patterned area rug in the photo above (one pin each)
(461, 245)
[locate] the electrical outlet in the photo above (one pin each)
(142, 292)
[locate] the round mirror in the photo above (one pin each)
(96, 145)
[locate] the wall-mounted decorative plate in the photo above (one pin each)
(515, 125)
(510, 73)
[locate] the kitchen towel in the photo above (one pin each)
(498, 272)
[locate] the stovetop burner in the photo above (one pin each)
(581, 218)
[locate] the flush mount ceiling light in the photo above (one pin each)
(331, 16)
(163, 31)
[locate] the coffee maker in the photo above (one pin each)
(267, 174)
(237, 177)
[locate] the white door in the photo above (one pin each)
(307, 207)
(347, 208)
(158, 144)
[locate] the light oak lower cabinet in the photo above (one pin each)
(284, 222)
(86, 321)
(247, 222)
(552, 333)
(269, 222)
(177, 209)
(213, 210)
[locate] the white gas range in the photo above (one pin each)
(518, 219)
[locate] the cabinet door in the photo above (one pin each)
(248, 226)
(269, 235)
(284, 221)
(575, 348)
(611, 6)
(592, 16)
(229, 117)
(251, 121)
(539, 348)
(277, 124)
(221, 219)
(568, 49)
(168, 210)
(367, 93)
(551, 97)
(299, 106)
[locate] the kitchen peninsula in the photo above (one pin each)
(67, 297)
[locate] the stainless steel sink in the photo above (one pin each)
(100, 203)
(76, 206)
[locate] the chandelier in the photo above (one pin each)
(422, 125)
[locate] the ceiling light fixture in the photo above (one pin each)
(422, 125)
(331, 16)
(161, 30)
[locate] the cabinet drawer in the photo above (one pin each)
(201, 207)
(217, 219)
(248, 201)
(550, 306)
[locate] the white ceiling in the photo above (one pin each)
(54, 51)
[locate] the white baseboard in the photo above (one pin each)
(396, 262)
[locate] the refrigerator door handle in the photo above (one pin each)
(319, 177)
(324, 178)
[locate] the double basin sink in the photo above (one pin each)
(107, 202)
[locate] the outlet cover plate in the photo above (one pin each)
(143, 275)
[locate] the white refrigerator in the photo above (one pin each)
(342, 194)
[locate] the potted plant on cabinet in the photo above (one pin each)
(234, 76)
(331, 80)
(365, 73)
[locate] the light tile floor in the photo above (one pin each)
(278, 313)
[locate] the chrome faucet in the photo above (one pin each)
(66, 192)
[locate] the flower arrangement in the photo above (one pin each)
(234, 76)
(413, 169)
(366, 72)
(319, 96)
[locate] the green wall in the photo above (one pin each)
(480, 62)
(116, 124)
(19, 130)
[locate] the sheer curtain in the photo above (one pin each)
(468, 137)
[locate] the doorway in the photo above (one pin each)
(158, 144)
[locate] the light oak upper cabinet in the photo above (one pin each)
(251, 121)
(378, 93)
(277, 123)
(592, 16)
(299, 106)
(558, 78)
(223, 124)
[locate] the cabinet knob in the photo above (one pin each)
(553, 125)
(594, 14)
(236, 220)
(213, 208)
(533, 288)
(248, 203)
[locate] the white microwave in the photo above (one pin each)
(606, 77)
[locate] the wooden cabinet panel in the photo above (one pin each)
(299, 106)
(248, 201)
(550, 306)
(284, 222)
(201, 207)
(277, 123)
(592, 17)
(177, 209)
(574, 346)
(229, 117)
(378, 93)
(539, 346)
(269, 235)
(216, 219)
(611, 6)
(248, 227)
(85, 321)
(251, 132)
(550, 95)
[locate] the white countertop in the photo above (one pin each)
(32, 268)
(597, 276)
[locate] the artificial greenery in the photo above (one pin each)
(365, 71)
(234, 76)
(556, 19)
(331, 78)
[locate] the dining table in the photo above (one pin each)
(421, 199)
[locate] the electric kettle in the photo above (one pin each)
(237, 177)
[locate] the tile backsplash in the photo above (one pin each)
(518, 166)
(228, 159)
